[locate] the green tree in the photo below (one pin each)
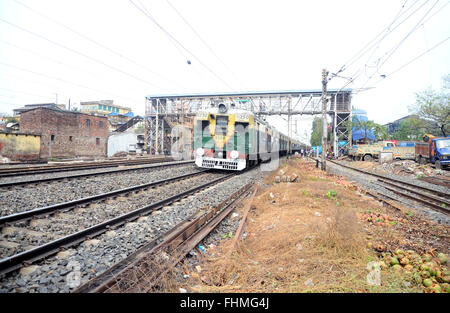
(434, 106)
(8, 118)
(316, 135)
(412, 128)
(378, 130)
(139, 129)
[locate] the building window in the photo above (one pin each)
(100, 124)
(70, 138)
(52, 137)
(99, 107)
(109, 108)
(97, 141)
(104, 107)
(88, 122)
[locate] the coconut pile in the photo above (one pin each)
(428, 270)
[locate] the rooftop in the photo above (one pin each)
(63, 111)
(250, 93)
(104, 102)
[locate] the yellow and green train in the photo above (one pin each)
(235, 139)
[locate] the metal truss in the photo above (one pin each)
(164, 111)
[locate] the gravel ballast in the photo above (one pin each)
(59, 273)
(370, 183)
(29, 197)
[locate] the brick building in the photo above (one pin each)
(66, 133)
(117, 115)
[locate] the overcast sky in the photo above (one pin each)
(96, 49)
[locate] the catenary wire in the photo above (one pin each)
(81, 54)
(103, 46)
(149, 16)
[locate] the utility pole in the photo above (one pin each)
(289, 127)
(324, 117)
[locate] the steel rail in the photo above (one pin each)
(29, 256)
(43, 180)
(424, 195)
(389, 182)
(71, 204)
(436, 181)
(187, 235)
(424, 201)
(436, 192)
(7, 172)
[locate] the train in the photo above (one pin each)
(233, 139)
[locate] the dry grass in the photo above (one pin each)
(289, 245)
(307, 238)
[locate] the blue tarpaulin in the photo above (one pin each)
(358, 133)
(406, 144)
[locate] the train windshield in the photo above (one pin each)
(221, 125)
(443, 143)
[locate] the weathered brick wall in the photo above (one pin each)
(64, 125)
(19, 146)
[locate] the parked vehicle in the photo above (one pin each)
(400, 151)
(435, 150)
(368, 152)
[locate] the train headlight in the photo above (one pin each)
(222, 108)
(220, 154)
(234, 154)
(200, 152)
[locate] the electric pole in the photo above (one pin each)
(324, 117)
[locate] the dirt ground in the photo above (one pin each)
(322, 234)
(407, 168)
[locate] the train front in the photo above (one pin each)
(221, 138)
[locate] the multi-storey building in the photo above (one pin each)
(116, 114)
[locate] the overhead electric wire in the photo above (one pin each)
(419, 24)
(392, 51)
(375, 41)
(20, 97)
(67, 92)
(412, 60)
(201, 39)
(73, 67)
(149, 16)
(62, 80)
(97, 43)
(387, 33)
(409, 34)
(24, 92)
(82, 54)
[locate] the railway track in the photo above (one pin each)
(10, 184)
(95, 227)
(432, 198)
(142, 270)
(437, 181)
(32, 170)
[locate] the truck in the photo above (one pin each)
(435, 150)
(367, 152)
(400, 151)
